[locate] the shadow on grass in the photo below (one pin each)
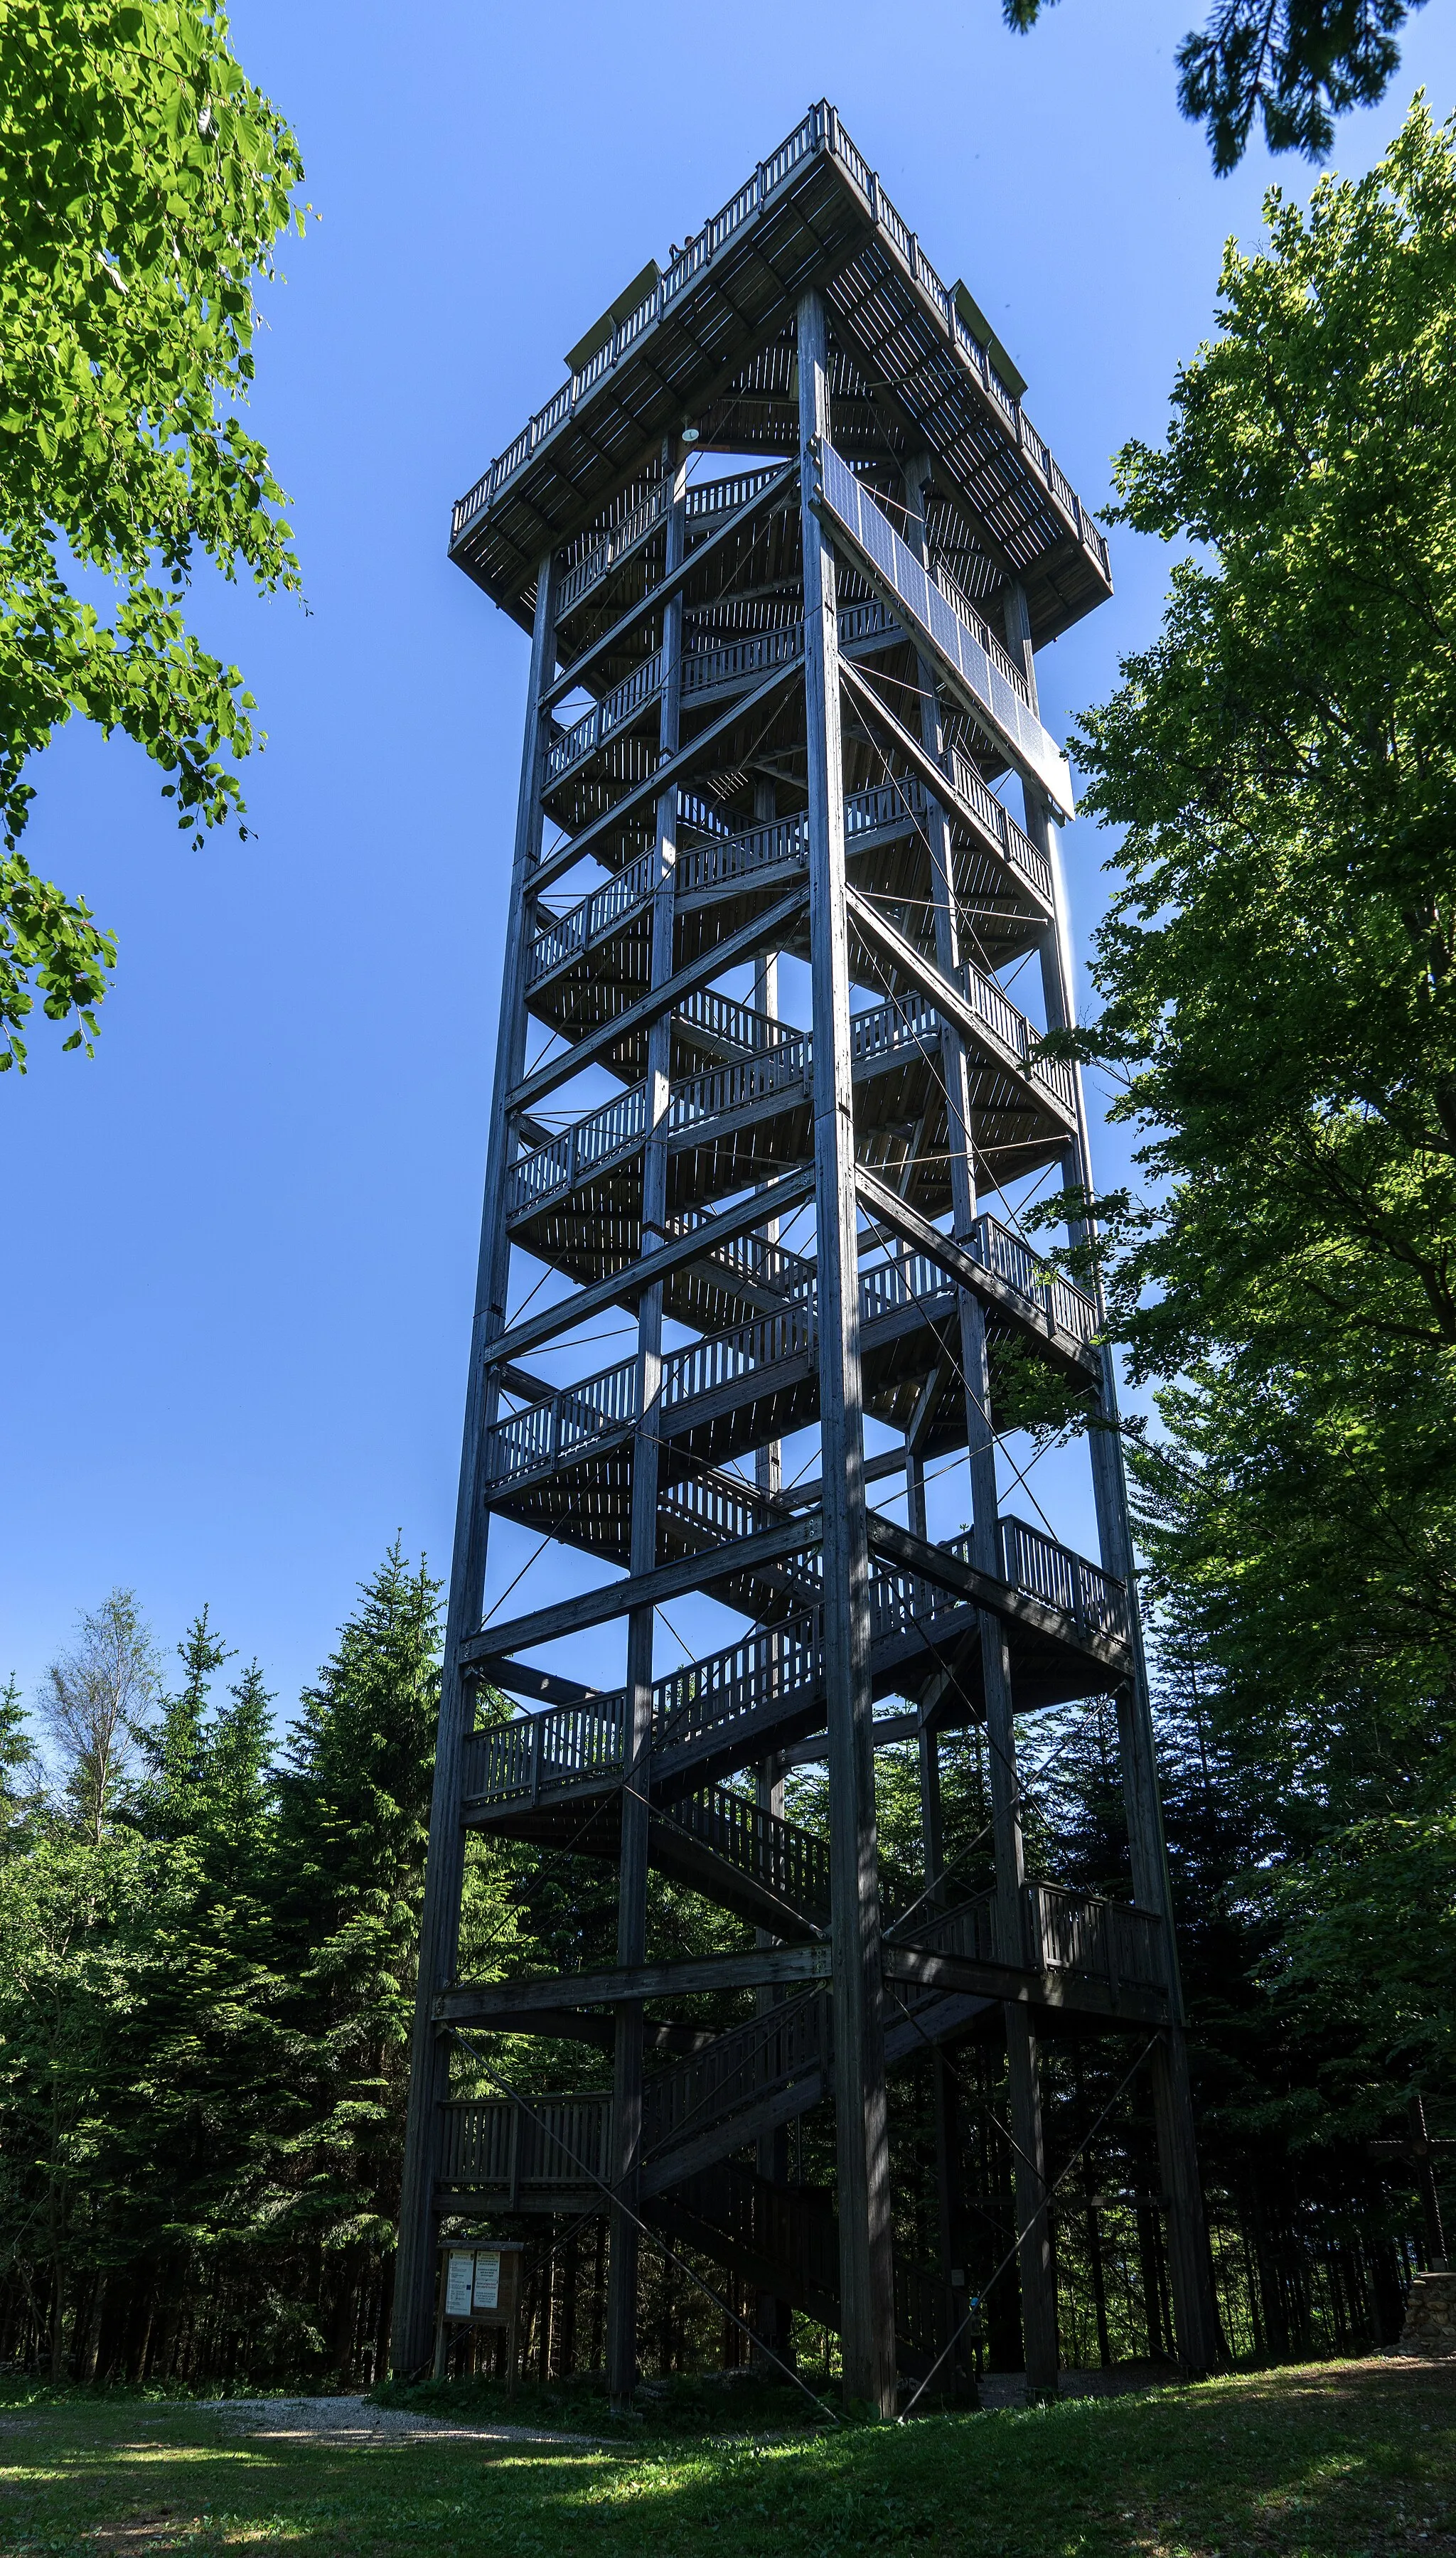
(1353, 2461)
(687, 2406)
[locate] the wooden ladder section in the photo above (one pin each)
(767, 1096)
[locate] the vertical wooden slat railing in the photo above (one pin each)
(821, 129)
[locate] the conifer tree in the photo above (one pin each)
(350, 1848)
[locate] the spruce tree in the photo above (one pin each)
(350, 1851)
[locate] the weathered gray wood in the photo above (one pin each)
(1074, 1358)
(412, 2335)
(775, 1198)
(497, 2002)
(866, 2268)
(697, 750)
(1038, 2294)
(774, 731)
(768, 929)
(1195, 2308)
(671, 583)
(634, 1855)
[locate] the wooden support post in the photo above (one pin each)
(771, 2317)
(1038, 2289)
(1195, 2309)
(768, 1464)
(411, 2335)
(866, 2266)
(637, 1706)
(946, 2086)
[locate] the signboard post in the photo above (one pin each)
(480, 2287)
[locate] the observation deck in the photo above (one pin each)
(779, 1067)
(711, 337)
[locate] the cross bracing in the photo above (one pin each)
(783, 950)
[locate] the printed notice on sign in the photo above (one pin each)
(459, 2278)
(488, 2279)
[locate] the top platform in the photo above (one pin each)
(814, 213)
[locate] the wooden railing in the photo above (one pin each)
(615, 710)
(735, 2072)
(996, 687)
(1070, 1308)
(774, 1666)
(1046, 1570)
(734, 662)
(790, 1862)
(585, 1149)
(596, 553)
(544, 2145)
(596, 919)
(563, 1426)
(740, 1026)
(697, 1708)
(727, 858)
(821, 130)
(724, 497)
(735, 857)
(750, 1262)
(1061, 1931)
(1106, 1940)
(1021, 853)
(716, 1507)
(535, 1754)
(703, 671)
(551, 2143)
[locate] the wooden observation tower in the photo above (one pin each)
(786, 543)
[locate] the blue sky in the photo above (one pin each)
(242, 1241)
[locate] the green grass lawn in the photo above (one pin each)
(1331, 2461)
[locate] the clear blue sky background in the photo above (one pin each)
(241, 1243)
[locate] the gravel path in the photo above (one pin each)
(357, 2420)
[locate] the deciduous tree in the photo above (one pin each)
(143, 183)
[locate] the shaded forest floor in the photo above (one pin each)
(1354, 2459)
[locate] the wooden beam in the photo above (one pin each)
(705, 1571)
(950, 1002)
(414, 2294)
(566, 856)
(499, 2002)
(807, 1496)
(885, 1729)
(1004, 1982)
(663, 593)
(517, 1678)
(710, 963)
(935, 779)
(861, 2123)
(912, 1553)
(622, 1285)
(1078, 1358)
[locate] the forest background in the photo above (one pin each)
(208, 1938)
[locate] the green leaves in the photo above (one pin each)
(134, 237)
(1279, 974)
(51, 941)
(1294, 64)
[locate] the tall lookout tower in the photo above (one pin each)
(786, 544)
